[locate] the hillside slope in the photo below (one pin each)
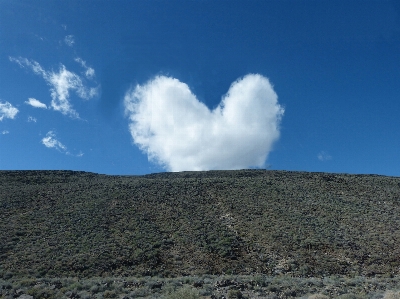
(64, 223)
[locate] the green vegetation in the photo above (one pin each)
(204, 286)
(257, 224)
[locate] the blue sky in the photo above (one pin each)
(136, 87)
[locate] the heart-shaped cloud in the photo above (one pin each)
(179, 132)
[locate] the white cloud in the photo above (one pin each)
(7, 111)
(69, 40)
(5, 132)
(89, 72)
(61, 83)
(50, 141)
(324, 156)
(31, 119)
(35, 103)
(177, 131)
(35, 66)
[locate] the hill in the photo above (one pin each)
(65, 223)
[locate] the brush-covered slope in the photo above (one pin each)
(64, 223)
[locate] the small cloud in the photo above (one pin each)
(7, 111)
(35, 103)
(39, 37)
(31, 119)
(177, 131)
(69, 40)
(89, 72)
(5, 132)
(35, 66)
(64, 26)
(324, 156)
(61, 83)
(50, 141)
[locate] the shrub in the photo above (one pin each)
(348, 296)
(234, 294)
(141, 292)
(183, 293)
(40, 293)
(84, 295)
(318, 296)
(94, 288)
(391, 295)
(110, 294)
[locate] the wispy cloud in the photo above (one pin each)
(50, 141)
(89, 72)
(5, 132)
(61, 83)
(324, 156)
(7, 110)
(35, 66)
(35, 103)
(69, 40)
(32, 119)
(179, 132)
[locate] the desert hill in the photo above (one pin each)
(65, 223)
